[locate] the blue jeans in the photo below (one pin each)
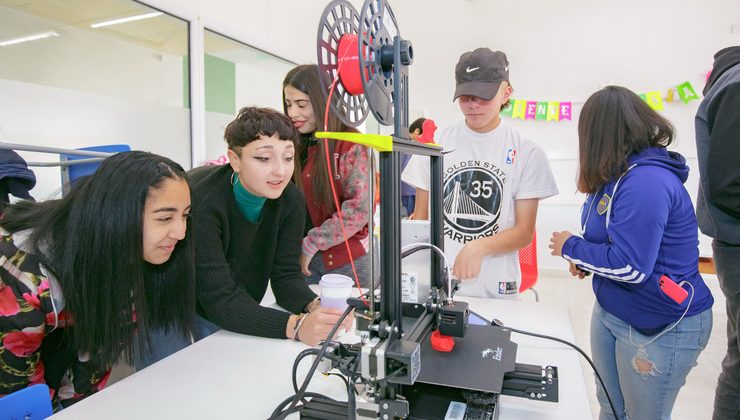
(644, 382)
(165, 343)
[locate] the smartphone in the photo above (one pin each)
(672, 289)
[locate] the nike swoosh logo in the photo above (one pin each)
(506, 68)
(470, 70)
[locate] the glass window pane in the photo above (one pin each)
(237, 75)
(92, 72)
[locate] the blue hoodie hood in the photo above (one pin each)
(661, 157)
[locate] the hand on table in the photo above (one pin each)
(319, 322)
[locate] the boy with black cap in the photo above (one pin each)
(493, 181)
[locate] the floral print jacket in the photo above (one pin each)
(34, 341)
(350, 169)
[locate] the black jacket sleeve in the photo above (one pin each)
(286, 279)
(723, 176)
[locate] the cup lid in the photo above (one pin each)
(336, 280)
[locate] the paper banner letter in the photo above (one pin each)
(654, 100)
(565, 111)
(520, 106)
(642, 96)
(669, 96)
(530, 112)
(553, 111)
(686, 92)
(541, 113)
(506, 112)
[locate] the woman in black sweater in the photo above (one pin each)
(249, 231)
(249, 221)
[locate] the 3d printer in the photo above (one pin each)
(395, 372)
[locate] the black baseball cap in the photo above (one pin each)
(480, 73)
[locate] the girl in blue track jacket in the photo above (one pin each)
(638, 225)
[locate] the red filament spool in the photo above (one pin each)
(348, 65)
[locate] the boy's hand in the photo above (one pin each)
(467, 263)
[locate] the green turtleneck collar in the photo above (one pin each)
(249, 204)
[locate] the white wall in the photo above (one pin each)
(258, 83)
(286, 28)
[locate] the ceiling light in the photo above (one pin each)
(27, 38)
(126, 19)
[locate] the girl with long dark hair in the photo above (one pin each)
(639, 238)
(323, 248)
(85, 278)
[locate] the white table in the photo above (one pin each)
(229, 375)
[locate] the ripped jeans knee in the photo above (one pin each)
(643, 365)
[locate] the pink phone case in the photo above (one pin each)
(672, 289)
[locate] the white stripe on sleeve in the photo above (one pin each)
(625, 274)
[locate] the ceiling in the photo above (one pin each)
(164, 33)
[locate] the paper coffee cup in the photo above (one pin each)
(335, 290)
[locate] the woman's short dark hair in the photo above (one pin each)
(613, 124)
(305, 78)
(252, 122)
(92, 241)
